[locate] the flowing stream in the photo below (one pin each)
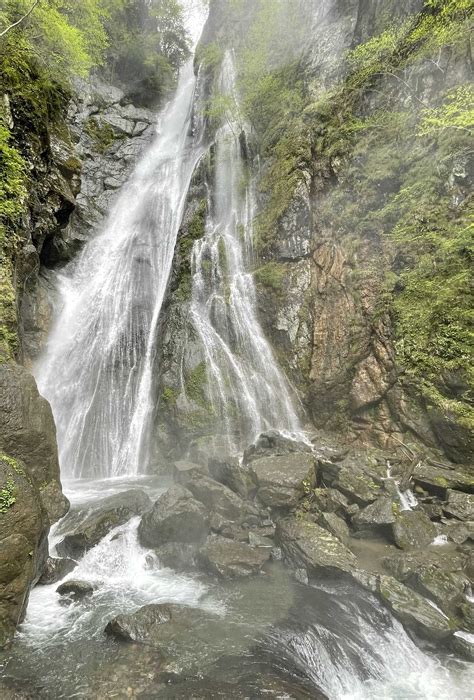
(98, 371)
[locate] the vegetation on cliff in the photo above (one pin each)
(387, 147)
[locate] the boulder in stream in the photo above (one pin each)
(56, 569)
(85, 526)
(414, 611)
(175, 517)
(229, 559)
(413, 529)
(139, 626)
(75, 590)
(282, 480)
(156, 625)
(307, 545)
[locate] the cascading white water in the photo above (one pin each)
(97, 370)
(248, 391)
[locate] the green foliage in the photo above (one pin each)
(13, 192)
(272, 276)
(147, 45)
(397, 166)
(195, 385)
(456, 112)
(7, 496)
(102, 134)
(8, 490)
(169, 395)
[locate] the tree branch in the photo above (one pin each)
(22, 19)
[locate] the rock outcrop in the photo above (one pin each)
(31, 498)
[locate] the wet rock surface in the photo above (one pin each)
(75, 590)
(86, 527)
(414, 611)
(282, 480)
(155, 625)
(31, 494)
(307, 545)
(412, 529)
(56, 569)
(140, 626)
(176, 517)
(229, 559)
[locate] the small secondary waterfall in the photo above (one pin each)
(248, 391)
(97, 371)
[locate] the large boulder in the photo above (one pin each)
(308, 546)
(24, 531)
(230, 472)
(229, 559)
(283, 480)
(175, 517)
(357, 481)
(56, 569)
(140, 626)
(28, 434)
(460, 505)
(436, 574)
(75, 590)
(376, 518)
(183, 471)
(437, 479)
(414, 611)
(86, 526)
(274, 443)
(218, 498)
(155, 625)
(413, 529)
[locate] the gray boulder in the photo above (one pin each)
(183, 471)
(86, 526)
(75, 590)
(228, 559)
(283, 480)
(460, 505)
(413, 610)
(140, 626)
(437, 575)
(273, 443)
(376, 518)
(330, 501)
(413, 529)
(175, 517)
(437, 480)
(463, 644)
(307, 545)
(218, 498)
(335, 525)
(357, 484)
(56, 569)
(156, 625)
(231, 473)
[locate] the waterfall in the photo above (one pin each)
(248, 392)
(97, 370)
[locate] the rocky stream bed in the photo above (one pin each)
(302, 570)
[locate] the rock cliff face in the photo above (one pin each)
(77, 163)
(334, 275)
